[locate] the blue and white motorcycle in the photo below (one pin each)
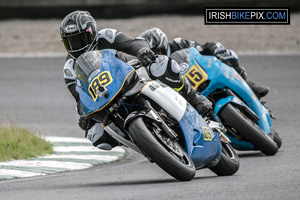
(247, 120)
(151, 118)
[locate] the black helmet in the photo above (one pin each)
(157, 40)
(78, 30)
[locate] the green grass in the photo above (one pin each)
(19, 143)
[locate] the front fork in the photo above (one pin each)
(220, 129)
(151, 113)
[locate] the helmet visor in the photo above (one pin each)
(162, 47)
(77, 42)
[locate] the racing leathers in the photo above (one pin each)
(229, 57)
(106, 39)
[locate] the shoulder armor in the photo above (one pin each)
(108, 34)
(178, 40)
(69, 72)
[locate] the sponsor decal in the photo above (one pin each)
(227, 73)
(239, 77)
(109, 33)
(172, 80)
(207, 133)
(254, 97)
(183, 68)
(234, 73)
(209, 63)
(153, 86)
(68, 72)
(71, 28)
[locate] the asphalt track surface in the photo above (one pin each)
(33, 95)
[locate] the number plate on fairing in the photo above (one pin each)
(196, 75)
(102, 80)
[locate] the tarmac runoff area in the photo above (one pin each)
(69, 154)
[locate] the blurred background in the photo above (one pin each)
(31, 27)
(125, 8)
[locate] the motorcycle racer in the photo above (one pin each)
(158, 42)
(79, 34)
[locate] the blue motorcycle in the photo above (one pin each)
(247, 120)
(151, 118)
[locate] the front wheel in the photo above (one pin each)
(166, 153)
(229, 162)
(249, 130)
(275, 136)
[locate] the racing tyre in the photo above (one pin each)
(276, 138)
(250, 131)
(229, 162)
(166, 153)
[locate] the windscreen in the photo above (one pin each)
(86, 64)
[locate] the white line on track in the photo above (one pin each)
(46, 163)
(82, 149)
(67, 139)
(84, 157)
(18, 173)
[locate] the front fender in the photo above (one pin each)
(229, 99)
(150, 114)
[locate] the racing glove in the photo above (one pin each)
(227, 56)
(85, 123)
(145, 56)
(230, 58)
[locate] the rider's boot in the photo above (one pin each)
(100, 138)
(259, 90)
(197, 100)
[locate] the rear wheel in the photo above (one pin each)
(229, 162)
(250, 131)
(166, 153)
